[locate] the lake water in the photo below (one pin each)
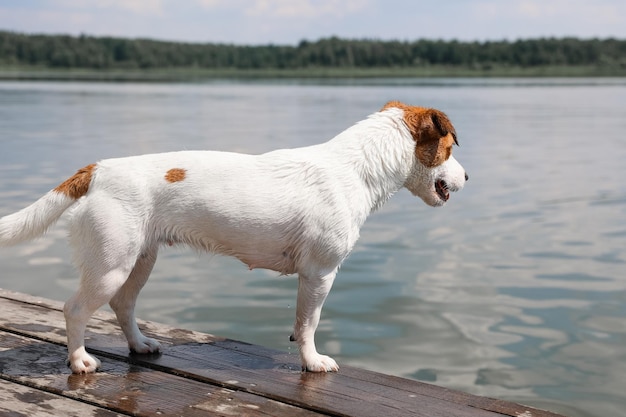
(516, 289)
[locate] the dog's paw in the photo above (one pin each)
(145, 345)
(320, 363)
(81, 362)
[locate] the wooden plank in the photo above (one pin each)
(273, 374)
(22, 401)
(124, 388)
(260, 371)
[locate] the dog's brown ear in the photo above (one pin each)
(425, 124)
(434, 135)
(442, 124)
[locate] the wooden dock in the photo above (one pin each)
(196, 375)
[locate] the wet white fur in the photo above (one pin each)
(291, 211)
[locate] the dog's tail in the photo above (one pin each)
(34, 220)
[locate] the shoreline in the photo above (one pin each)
(206, 74)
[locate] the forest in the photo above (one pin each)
(19, 50)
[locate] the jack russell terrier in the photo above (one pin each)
(290, 211)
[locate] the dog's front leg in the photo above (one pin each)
(312, 292)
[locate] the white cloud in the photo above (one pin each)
(597, 11)
(43, 21)
(550, 9)
(305, 8)
(135, 6)
(287, 8)
(210, 4)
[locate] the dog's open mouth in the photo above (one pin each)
(441, 187)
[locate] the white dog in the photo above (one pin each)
(291, 211)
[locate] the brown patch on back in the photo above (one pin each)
(78, 184)
(432, 131)
(175, 175)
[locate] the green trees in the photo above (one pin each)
(61, 51)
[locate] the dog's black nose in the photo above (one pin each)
(466, 177)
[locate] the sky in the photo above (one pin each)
(287, 22)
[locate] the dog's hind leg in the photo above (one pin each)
(123, 303)
(312, 292)
(94, 291)
(106, 246)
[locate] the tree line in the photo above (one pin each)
(62, 51)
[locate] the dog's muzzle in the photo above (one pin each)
(443, 189)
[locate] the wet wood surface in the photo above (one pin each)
(196, 374)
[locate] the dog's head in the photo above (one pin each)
(435, 172)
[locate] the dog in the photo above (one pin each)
(290, 210)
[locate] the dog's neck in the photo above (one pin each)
(381, 151)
